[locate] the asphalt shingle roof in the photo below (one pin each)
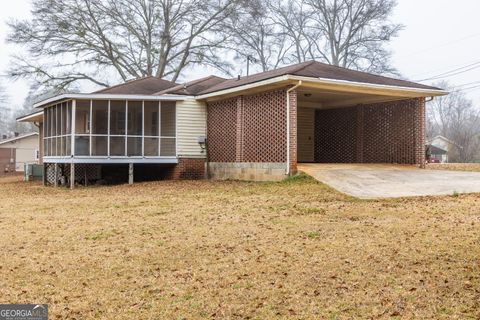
(315, 69)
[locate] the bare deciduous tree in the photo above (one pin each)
(255, 35)
(455, 117)
(72, 40)
(355, 32)
(5, 114)
(345, 33)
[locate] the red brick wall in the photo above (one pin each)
(265, 127)
(335, 135)
(187, 169)
(252, 128)
(392, 132)
(222, 130)
(6, 154)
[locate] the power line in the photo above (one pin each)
(467, 89)
(466, 84)
(453, 72)
(421, 74)
(442, 45)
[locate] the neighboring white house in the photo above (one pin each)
(442, 143)
(26, 149)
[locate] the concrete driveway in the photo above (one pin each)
(370, 181)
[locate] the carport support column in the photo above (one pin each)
(420, 133)
(130, 173)
(292, 129)
(359, 133)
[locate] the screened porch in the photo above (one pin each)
(119, 131)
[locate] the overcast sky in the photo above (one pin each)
(439, 36)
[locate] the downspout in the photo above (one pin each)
(287, 172)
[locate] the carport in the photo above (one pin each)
(358, 125)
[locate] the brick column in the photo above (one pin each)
(239, 141)
(420, 133)
(359, 133)
(293, 131)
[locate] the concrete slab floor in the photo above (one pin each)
(371, 181)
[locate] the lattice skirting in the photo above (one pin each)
(83, 173)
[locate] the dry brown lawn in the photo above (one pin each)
(237, 250)
(455, 166)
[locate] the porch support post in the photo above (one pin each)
(44, 174)
(55, 182)
(72, 175)
(130, 173)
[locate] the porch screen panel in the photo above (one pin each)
(151, 118)
(117, 117)
(82, 145)
(117, 146)
(99, 146)
(64, 119)
(134, 146)
(167, 147)
(151, 147)
(68, 122)
(100, 117)
(134, 118)
(82, 117)
(167, 119)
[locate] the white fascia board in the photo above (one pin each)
(361, 85)
(30, 116)
(19, 137)
(103, 96)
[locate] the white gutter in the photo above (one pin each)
(343, 84)
(364, 85)
(288, 124)
(104, 96)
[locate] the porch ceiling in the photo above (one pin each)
(329, 99)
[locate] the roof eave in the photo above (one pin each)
(332, 84)
(19, 137)
(108, 96)
(31, 117)
(368, 88)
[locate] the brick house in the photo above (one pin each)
(256, 127)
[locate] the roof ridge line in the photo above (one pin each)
(309, 63)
